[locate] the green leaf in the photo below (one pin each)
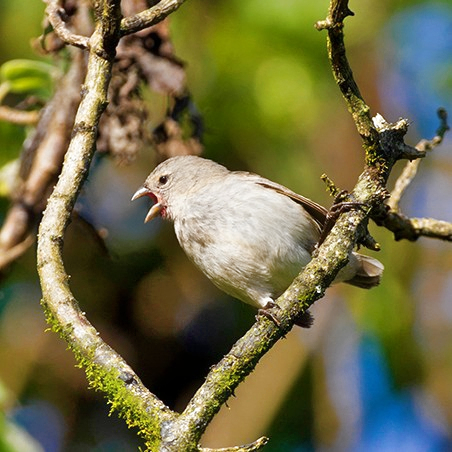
(28, 77)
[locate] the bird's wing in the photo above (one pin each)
(317, 211)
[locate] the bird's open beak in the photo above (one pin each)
(155, 210)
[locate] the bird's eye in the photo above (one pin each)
(163, 180)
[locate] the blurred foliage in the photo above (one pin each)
(26, 77)
(374, 363)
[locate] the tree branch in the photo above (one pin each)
(40, 163)
(16, 116)
(149, 17)
(342, 71)
(55, 14)
(413, 228)
(411, 168)
(106, 370)
(256, 445)
(378, 136)
(382, 141)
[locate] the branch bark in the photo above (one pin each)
(413, 228)
(41, 160)
(149, 17)
(106, 370)
(147, 58)
(55, 14)
(18, 116)
(161, 428)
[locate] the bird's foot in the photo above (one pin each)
(265, 311)
(338, 208)
(305, 320)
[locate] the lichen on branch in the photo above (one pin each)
(162, 428)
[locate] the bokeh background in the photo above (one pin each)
(374, 373)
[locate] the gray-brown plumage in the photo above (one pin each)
(250, 236)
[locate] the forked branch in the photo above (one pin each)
(163, 429)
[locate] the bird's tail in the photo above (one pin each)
(368, 274)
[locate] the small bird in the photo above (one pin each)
(250, 236)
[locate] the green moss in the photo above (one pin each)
(120, 399)
(129, 407)
(53, 323)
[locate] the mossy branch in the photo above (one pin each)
(106, 370)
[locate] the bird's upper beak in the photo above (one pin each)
(155, 210)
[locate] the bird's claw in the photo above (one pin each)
(265, 312)
(333, 214)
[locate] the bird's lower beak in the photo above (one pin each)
(155, 210)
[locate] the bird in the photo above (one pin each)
(249, 235)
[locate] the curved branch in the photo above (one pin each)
(402, 183)
(163, 429)
(149, 17)
(308, 287)
(55, 14)
(382, 141)
(413, 228)
(106, 370)
(411, 168)
(342, 71)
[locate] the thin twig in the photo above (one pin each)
(403, 181)
(410, 170)
(149, 17)
(20, 117)
(342, 71)
(252, 447)
(11, 254)
(55, 14)
(414, 228)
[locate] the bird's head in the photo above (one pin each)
(174, 181)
